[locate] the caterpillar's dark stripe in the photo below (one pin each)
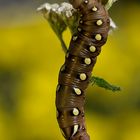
(74, 75)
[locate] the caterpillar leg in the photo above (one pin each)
(72, 123)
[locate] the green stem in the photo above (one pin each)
(63, 45)
(59, 35)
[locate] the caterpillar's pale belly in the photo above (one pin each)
(74, 75)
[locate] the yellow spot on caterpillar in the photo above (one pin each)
(94, 9)
(99, 22)
(77, 91)
(75, 129)
(83, 76)
(87, 61)
(86, 1)
(79, 29)
(98, 37)
(92, 48)
(75, 112)
(73, 60)
(74, 38)
(81, 21)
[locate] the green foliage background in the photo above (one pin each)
(30, 59)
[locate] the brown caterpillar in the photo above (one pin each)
(74, 75)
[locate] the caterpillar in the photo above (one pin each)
(75, 73)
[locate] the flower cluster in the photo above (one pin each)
(61, 16)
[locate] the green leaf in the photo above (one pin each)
(104, 84)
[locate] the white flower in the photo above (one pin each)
(63, 8)
(62, 13)
(45, 6)
(67, 9)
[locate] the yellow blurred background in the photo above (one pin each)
(30, 59)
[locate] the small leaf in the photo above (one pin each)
(104, 84)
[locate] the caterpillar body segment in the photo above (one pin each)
(75, 73)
